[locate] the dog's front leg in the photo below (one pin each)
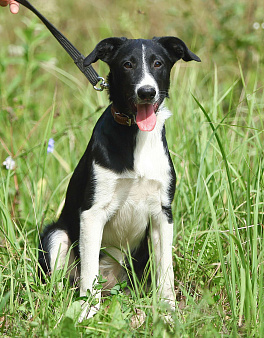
(91, 231)
(162, 236)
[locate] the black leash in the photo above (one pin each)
(77, 57)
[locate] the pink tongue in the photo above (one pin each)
(146, 117)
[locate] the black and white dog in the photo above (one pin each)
(125, 180)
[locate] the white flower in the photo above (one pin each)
(15, 50)
(9, 163)
(256, 25)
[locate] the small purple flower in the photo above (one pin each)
(9, 163)
(50, 146)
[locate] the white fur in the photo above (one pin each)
(150, 158)
(91, 229)
(162, 236)
(147, 79)
(59, 245)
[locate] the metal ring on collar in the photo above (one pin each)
(103, 84)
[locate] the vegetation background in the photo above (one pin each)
(216, 142)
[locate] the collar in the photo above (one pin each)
(123, 119)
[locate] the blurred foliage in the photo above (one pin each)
(220, 32)
(217, 29)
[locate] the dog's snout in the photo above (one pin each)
(146, 93)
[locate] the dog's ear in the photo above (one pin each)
(176, 49)
(104, 50)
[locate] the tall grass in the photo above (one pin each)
(215, 138)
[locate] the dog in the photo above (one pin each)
(121, 192)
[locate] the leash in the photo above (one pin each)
(77, 57)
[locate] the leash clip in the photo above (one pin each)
(103, 84)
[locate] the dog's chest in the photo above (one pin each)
(150, 159)
(132, 197)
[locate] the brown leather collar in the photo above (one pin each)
(122, 118)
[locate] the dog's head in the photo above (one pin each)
(139, 75)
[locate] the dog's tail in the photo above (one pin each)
(53, 250)
(43, 249)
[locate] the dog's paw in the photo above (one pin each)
(171, 303)
(137, 319)
(168, 319)
(168, 296)
(168, 314)
(88, 311)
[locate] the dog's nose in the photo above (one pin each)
(146, 92)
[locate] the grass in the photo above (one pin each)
(215, 138)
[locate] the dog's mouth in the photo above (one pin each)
(146, 116)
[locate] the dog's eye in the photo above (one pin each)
(128, 65)
(157, 64)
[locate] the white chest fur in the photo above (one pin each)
(150, 159)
